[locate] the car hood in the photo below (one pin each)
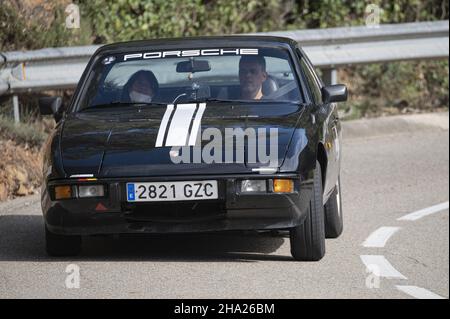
(122, 142)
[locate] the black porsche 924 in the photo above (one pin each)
(195, 135)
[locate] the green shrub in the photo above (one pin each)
(125, 20)
(397, 87)
(19, 33)
(29, 133)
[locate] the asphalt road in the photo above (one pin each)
(383, 178)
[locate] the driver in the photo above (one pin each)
(252, 74)
(141, 87)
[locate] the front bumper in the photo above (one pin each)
(232, 211)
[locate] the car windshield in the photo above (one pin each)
(192, 75)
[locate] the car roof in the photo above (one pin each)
(194, 42)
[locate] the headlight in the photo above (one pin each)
(91, 191)
(253, 185)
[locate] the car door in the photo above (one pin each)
(331, 125)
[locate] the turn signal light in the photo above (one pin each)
(283, 186)
(63, 192)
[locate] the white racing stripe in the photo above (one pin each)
(178, 132)
(163, 126)
(380, 237)
(380, 266)
(196, 124)
(425, 212)
(418, 292)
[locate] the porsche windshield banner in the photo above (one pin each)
(189, 53)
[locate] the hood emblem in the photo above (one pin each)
(108, 60)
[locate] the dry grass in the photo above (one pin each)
(20, 169)
(21, 156)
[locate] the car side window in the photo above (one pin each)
(312, 82)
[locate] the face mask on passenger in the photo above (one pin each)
(139, 97)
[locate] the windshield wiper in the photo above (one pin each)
(215, 100)
(118, 104)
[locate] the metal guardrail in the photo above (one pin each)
(60, 68)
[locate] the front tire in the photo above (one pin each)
(62, 245)
(308, 240)
(334, 223)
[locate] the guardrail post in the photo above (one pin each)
(15, 101)
(3, 87)
(329, 76)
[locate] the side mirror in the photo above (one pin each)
(334, 93)
(50, 105)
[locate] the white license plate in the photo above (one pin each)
(171, 191)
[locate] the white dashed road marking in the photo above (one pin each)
(382, 265)
(418, 292)
(380, 237)
(425, 212)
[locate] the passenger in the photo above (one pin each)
(142, 87)
(252, 74)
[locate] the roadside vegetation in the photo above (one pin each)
(29, 134)
(21, 156)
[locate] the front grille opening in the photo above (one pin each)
(174, 212)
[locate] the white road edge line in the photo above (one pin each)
(418, 292)
(425, 212)
(380, 236)
(380, 266)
